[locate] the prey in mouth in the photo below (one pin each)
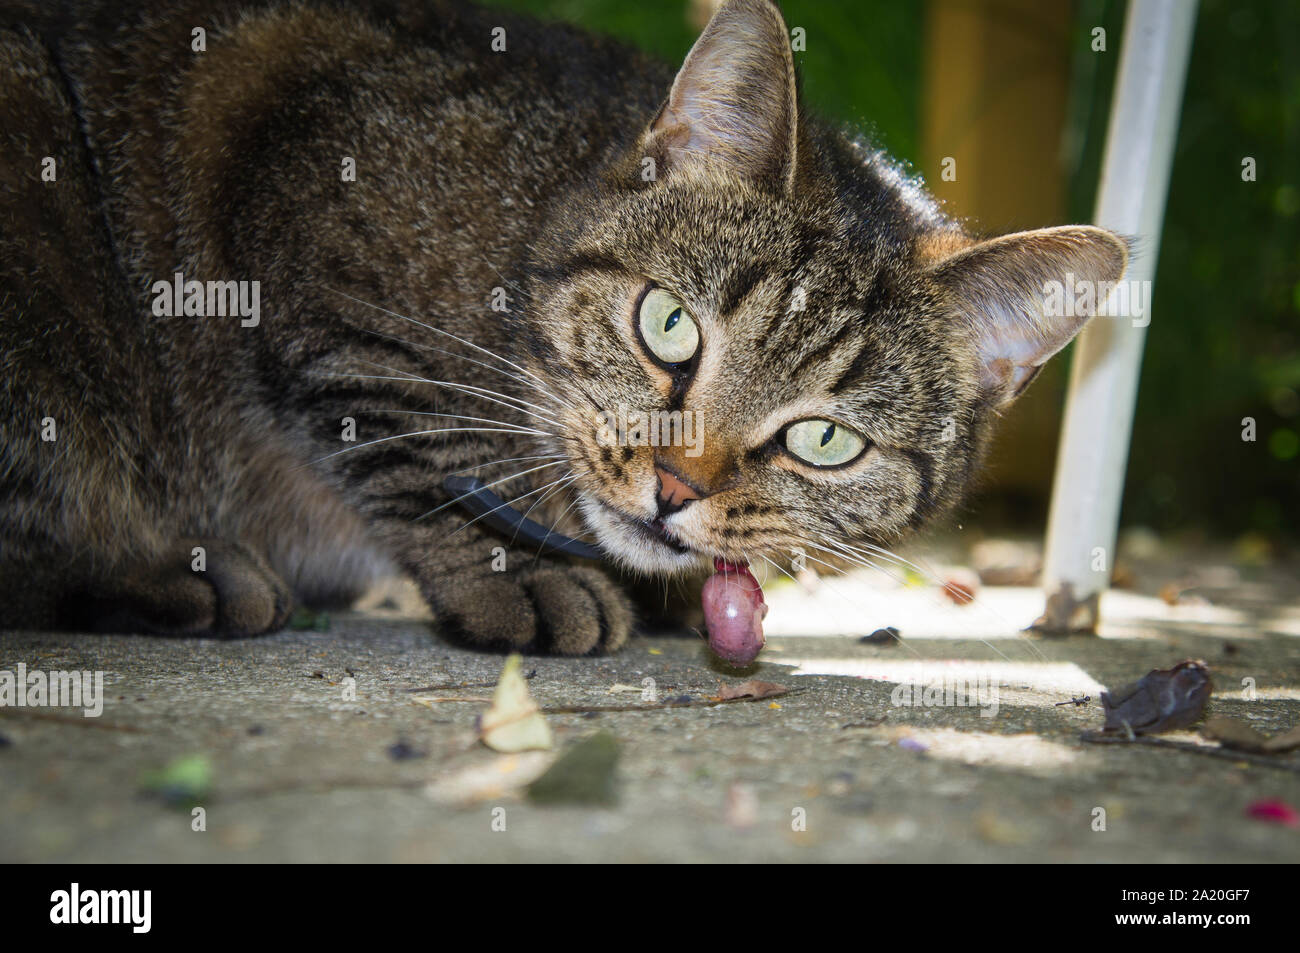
(732, 597)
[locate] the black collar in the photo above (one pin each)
(496, 513)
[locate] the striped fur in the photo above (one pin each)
(483, 177)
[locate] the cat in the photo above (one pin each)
(462, 242)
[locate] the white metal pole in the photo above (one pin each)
(1090, 466)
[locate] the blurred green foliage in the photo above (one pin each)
(1224, 343)
(865, 69)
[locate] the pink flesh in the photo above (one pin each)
(734, 610)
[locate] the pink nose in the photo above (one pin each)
(674, 493)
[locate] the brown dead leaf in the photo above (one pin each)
(961, 586)
(750, 689)
(1181, 594)
(1123, 577)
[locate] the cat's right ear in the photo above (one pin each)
(734, 103)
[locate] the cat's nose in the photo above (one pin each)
(674, 492)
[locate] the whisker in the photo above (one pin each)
(924, 571)
(429, 327)
(1033, 649)
(493, 463)
(856, 559)
(556, 522)
(853, 554)
(848, 550)
(463, 388)
(509, 503)
(536, 503)
(420, 433)
(849, 599)
(465, 496)
(464, 357)
(471, 387)
(957, 595)
(523, 292)
(431, 413)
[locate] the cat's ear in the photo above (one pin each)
(1010, 289)
(735, 101)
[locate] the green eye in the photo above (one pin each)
(668, 331)
(823, 443)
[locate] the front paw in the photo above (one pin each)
(204, 587)
(545, 610)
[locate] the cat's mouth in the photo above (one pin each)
(656, 530)
(649, 545)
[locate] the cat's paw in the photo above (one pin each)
(546, 610)
(206, 588)
(251, 598)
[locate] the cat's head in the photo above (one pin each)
(769, 340)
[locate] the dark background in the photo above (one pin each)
(1015, 92)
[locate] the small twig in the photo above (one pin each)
(583, 709)
(698, 703)
(449, 686)
(1097, 738)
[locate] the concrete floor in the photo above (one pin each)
(303, 772)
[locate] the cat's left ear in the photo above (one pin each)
(1009, 288)
(735, 101)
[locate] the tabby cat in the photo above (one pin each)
(449, 240)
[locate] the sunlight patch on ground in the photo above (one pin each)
(1023, 752)
(1286, 622)
(857, 605)
(1119, 607)
(1232, 692)
(1055, 678)
(850, 606)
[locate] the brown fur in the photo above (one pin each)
(479, 173)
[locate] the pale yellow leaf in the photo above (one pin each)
(513, 721)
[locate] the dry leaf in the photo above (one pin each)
(1178, 594)
(750, 689)
(620, 687)
(585, 774)
(502, 777)
(513, 722)
(961, 587)
(1240, 736)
